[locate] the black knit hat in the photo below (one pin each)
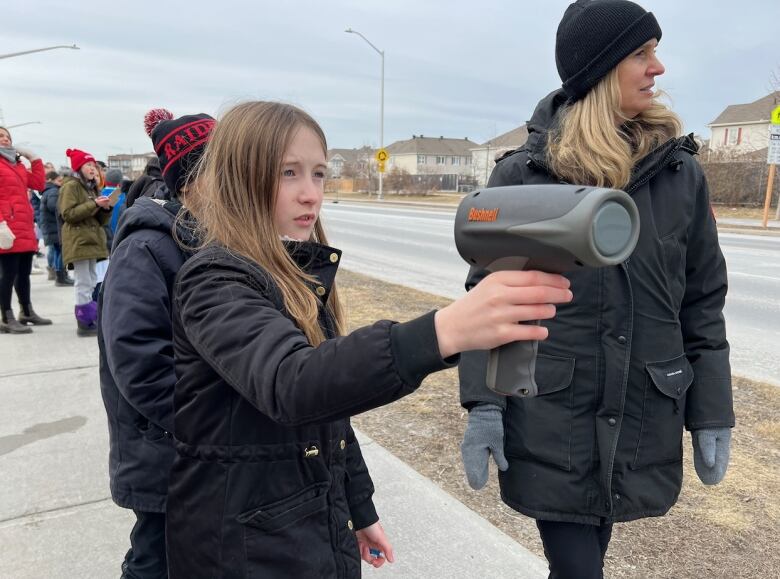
(179, 143)
(594, 36)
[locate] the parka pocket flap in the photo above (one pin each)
(671, 377)
(553, 373)
(282, 513)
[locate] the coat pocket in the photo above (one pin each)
(290, 537)
(540, 428)
(663, 412)
(149, 431)
(289, 510)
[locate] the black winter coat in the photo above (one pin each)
(48, 215)
(135, 338)
(639, 352)
(269, 480)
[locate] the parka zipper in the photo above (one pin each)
(656, 168)
(624, 386)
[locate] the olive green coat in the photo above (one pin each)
(83, 234)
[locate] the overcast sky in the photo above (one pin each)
(454, 68)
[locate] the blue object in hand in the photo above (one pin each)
(376, 553)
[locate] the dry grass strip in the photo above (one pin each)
(727, 531)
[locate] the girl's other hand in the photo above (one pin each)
(373, 537)
(103, 202)
(488, 316)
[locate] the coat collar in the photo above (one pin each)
(546, 116)
(318, 260)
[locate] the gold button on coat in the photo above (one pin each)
(343, 444)
(350, 526)
(334, 257)
(320, 290)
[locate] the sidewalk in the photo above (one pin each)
(752, 226)
(56, 516)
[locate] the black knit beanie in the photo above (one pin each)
(594, 36)
(179, 143)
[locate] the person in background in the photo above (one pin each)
(50, 229)
(18, 243)
(84, 212)
(35, 201)
(137, 376)
(111, 180)
(641, 353)
(121, 204)
(148, 183)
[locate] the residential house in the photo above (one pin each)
(131, 165)
(744, 128)
(353, 163)
(449, 159)
(484, 156)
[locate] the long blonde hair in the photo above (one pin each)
(237, 180)
(587, 148)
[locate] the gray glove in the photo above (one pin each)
(711, 453)
(484, 436)
(27, 153)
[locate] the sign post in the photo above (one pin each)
(381, 157)
(773, 159)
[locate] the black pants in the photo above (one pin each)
(15, 271)
(146, 557)
(574, 550)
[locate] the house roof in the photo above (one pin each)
(511, 139)
(351, 155)
(759, 110)
(420, 145)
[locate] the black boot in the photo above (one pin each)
(27, 315)
(62, 279)
(9, 325)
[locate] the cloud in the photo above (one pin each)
(451, 68)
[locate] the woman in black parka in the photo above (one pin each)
(269, 480)
(641, 352)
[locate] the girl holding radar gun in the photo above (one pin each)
(268, 479)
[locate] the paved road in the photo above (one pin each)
(415, 247)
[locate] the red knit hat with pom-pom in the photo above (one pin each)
(78, 158)
(179, 143)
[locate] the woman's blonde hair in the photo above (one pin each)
(237, 180)
(587, 148)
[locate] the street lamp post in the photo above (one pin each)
(381, 100)
(23, 124)
(12, 54)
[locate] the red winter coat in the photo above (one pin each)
(15, 207)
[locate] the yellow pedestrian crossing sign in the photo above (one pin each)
(381, 166)
(776, 116)
(382, 155)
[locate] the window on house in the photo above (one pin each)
(468, 160)
(421, 159)
(732, 136)
(441, 160)
(456, 160)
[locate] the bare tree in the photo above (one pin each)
(773, 83)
